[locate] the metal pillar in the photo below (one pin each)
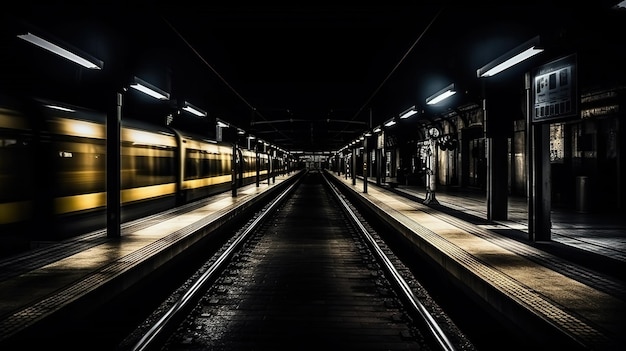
(258, 166)
(233, 171)
(538, 186)
(113, 170)
(365, 160)
(541, 180)
(353, 173)
(497, 168)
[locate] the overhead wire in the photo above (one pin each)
(255, 111)
(394, 68)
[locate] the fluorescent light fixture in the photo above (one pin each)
(222, 124)
(621, 5)
(90, 63)
(390, 122)
(441, 95)
(194, 110)
(408, 113)
(377, 129)
(60, 108)
(511, 58)
(149, 89)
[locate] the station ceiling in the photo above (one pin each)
(308, 78)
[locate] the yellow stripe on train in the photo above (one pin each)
(198, 183)
(147, 192)
(83, 202)
(80, 202)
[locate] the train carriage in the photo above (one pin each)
(53, 170)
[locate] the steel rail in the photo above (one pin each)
(435, 329)
(196, 288)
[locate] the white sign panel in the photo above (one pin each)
(554, 90)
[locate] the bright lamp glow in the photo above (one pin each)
(194, 110)
(441, 95)
(149, 89)
(42, 43)
(408, 113)
(222, 124)
(390, 122)
(511, 58)
(60, 108)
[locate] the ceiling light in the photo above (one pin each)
(194, 110)
(60, 108)
(511, 58)
(390, 122)
(408, 113)
(222, 124)
(441, 95)
(149, 89)
(90, 63)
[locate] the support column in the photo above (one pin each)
(497, 164)
(258, 165)
(378, 166)
(269, 167)
(113, 168)
(542, 183)
(497, 178)
(530, 164)
(273, 166)
(353, 173)
(365, 160)
(233, 171)
(538, 175)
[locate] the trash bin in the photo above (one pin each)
(582, 194)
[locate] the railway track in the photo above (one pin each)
(307, 272)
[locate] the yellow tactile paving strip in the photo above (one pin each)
(530, 285)
(37, 294)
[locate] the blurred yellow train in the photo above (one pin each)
(53, 171)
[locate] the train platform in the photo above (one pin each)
(73, 274)
(573, 284)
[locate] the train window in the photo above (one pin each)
(144, 165)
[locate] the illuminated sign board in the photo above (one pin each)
(554, 90)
